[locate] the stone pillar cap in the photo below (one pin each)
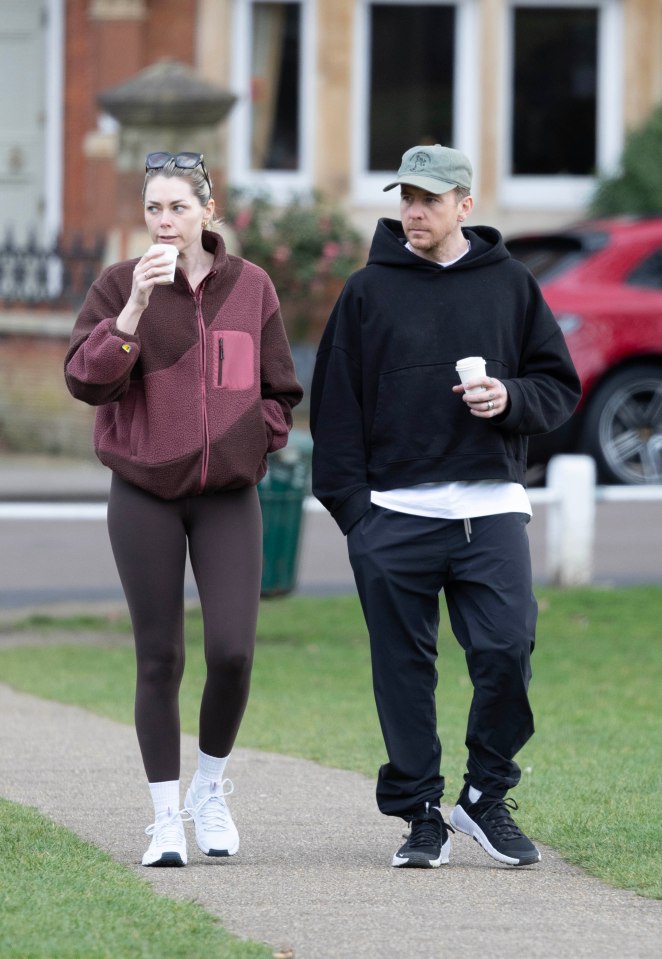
(167, 93)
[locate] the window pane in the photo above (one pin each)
(555, 91)
(411, 79)
(648, 273)
(275, 86)
(549, 256)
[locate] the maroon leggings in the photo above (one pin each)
(149, 539)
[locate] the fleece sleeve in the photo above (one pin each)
(100, 358)
(336, 420)
(280, 388)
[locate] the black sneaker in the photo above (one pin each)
(489, 822)
(428, 843)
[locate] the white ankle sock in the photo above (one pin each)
(211, 768)
(474, 794)
(165, 797)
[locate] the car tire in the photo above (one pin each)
(622, 428)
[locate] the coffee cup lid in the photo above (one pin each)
(469, 361)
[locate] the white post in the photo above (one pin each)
(571, 520)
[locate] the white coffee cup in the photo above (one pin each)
(166, 249)
(471, 368)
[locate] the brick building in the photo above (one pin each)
(330, 93)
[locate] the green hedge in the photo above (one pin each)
(637, 188)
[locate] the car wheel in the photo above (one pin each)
(623, 426)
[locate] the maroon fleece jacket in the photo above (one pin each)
(197, 397)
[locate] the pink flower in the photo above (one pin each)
(330, 250)
(281, 253)
(243, 218)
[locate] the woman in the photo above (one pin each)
(194, 385)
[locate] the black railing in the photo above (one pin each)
(41, 276)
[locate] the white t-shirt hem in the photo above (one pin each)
(461, 500)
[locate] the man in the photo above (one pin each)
(426, 477)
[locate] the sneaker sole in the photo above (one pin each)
(219, 852)
(463, 822)
(421, 861)
(229, 851)
(167, 859)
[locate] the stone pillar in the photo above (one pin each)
(165, 107)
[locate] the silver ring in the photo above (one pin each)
(490, 405)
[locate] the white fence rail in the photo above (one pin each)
(53, 511)
(570, 496)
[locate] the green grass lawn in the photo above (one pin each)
(591, 775)
(63, 899)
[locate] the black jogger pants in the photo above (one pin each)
(401, 563)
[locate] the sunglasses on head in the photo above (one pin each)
(184, 161)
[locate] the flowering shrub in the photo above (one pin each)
(307, 247)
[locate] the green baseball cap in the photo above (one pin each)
(435, 168)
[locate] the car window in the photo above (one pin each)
(648, 273)
(549, 256)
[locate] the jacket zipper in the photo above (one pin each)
(203, 388)
(220, 361)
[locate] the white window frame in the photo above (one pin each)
(282, 185)
(54, 120)
(558, 191)
(368, 186)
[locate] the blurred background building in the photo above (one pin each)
(286, 98)
(329, 95)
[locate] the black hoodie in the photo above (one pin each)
(382, 412)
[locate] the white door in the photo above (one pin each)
(23, 25)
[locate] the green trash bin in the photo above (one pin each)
(282, 492)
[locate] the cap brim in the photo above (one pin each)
(429, 183)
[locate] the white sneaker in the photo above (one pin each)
(168, 845)
(215, 832)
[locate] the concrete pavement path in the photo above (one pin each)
(313, 869)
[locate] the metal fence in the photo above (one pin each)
(54, 276)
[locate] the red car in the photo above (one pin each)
(603, 280)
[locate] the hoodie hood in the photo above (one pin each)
(388, 248)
